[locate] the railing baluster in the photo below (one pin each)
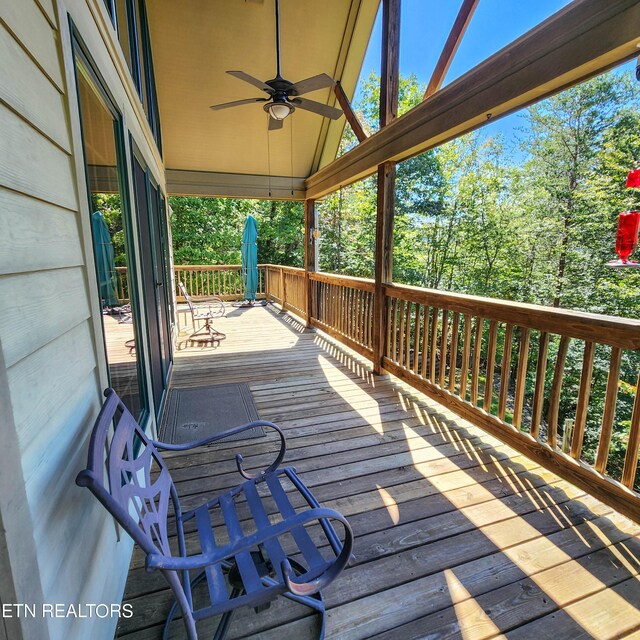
(407, 337)
(477, 352)
(538, 393)
(466, 350)
(443, 346)
(453, 358)
(390, 303)
(609, 412)
(425, 341)
(358, 316)
(348, 315)
(339, 297)
(345, 311)
(433, 344)
(401, 346)
(327, 309)
(583, 400)
(367, 319)
(556, 388)
(631, 458)
(521, 377)
(352, 313)
(394, 329)
(361, 334)
(416, 339)
(491, 363)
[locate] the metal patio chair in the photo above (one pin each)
(204, 312)
(261, 547)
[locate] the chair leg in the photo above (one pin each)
(208, 330)
(181, 601)
(225, 621)
(315, 602)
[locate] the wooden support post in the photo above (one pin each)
(310, 254)
(389, 79)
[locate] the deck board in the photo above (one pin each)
(457, 535)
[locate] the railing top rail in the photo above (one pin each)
(294, 270)
(209, 267)
(614, 331)
(364, 284)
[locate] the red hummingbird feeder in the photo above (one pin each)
(628, 226)
(633, 179)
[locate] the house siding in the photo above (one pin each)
(57, 544)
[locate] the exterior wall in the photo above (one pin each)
(57, 544)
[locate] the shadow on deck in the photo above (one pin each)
(457, 535)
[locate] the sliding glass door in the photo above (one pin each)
(152, 240)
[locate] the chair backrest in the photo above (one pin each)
(127, 474)
(187, 297)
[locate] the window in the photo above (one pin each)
(111, 238)
(130, 20)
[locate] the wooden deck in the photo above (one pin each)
(457, 535)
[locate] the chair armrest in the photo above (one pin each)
(166, 446)
(156, 561)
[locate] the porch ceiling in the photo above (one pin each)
(194, 43)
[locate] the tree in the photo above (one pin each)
(209, 230)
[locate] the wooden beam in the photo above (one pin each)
(451, 46)
(310, 254)
(349, 113)
(582, 40)
(389, 82)
(233, 185)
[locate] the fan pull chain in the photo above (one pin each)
(291, 150)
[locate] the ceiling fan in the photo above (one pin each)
(284, 95)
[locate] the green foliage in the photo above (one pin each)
(209, 230)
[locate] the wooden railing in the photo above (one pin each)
(224, 281)
(202, 281)
(343, 307)
(501, 365)
(479, 357)
(286, 286)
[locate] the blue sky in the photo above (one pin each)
(425, 25)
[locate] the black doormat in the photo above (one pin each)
(196, 413)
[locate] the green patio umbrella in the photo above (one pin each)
(250, 258)
(105, 262)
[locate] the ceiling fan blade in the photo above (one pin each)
(236, 103)
(241, 75)
(317, 107)
(321, 81)
(275, 124)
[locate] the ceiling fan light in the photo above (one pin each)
(279, 110)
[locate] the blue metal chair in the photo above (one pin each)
(129, 477)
